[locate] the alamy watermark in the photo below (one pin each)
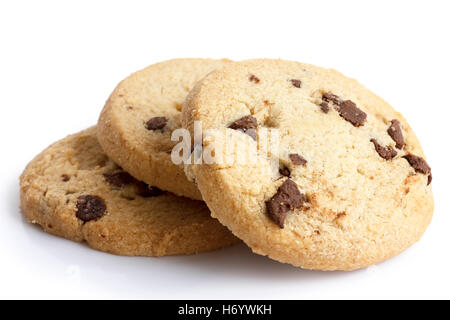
(225, 146)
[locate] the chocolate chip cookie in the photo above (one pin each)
(139, 117)
(73, 190)
(352, 186)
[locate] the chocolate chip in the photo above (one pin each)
(119, 179)
(350, 112)
(90, 208)
(347, 109)
(419, 164)
(65, 177)
(395, 131)
(247, 124)
(324, 107)
(253, 78)
(288, 197)
(330, 97)
(296, 83)
(385, 152)
(284, 171)
(156, 123)
(297, 159)
(430, 177)
(145, 191)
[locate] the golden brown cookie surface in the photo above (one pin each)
(352, 187)
(137, 121)
(73, 190)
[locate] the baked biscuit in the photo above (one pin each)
(352, 187)
(73, 190)
(137, 121)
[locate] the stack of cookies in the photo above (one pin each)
(301, 163)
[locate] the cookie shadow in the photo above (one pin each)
(239, 261)
(12, 200)
(234, 263)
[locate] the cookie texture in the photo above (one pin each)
(352, 185)
(137, 121)
(73, 190)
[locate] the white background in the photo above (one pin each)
(59, 61)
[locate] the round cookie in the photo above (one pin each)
(73, 190)
(137, 121)
(351, 185)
